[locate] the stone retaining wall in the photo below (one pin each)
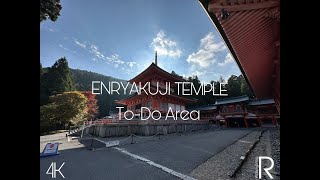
(142, 129)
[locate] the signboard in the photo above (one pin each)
(112, 143)
(50, 149)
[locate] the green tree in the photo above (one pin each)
(234, 86)
(58, 78)
(245, 89)
(221, 79)
(177, 75)
(48, 118)
(63, 110)
(44, 93)
(83, 81)
(41, 70)
(217, 85)
(50, 9)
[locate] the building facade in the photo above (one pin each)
(241, 112)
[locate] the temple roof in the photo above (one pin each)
(232, 100)
(250, 29)
(154, 70)
(204, 108)
(261, 102)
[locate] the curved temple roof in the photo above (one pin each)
(250, 29)
(154, 70)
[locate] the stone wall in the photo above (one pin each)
(111, 130)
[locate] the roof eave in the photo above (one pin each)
(217, 25)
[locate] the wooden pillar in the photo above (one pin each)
(245, 122)
(226, 122)
(274, 121)
(259, 122)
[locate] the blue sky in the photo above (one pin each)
(119, 38)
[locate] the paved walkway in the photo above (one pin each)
(62, 139)
(178, 154)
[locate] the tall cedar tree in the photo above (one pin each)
(234, 86)
(50, 9)
(58, 78)
(44, 93)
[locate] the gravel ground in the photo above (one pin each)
(223, 164)
(267, 146)
(275, 149)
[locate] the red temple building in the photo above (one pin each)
(251, 31)
(244, 112)
(240, 112)
(154, 74)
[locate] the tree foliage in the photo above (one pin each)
(56, 80)
(44, 94)
(41, 70)
(63, 110)
(106, 102)
(50, 9)
(92, 108)
(82, 81)
(236, 86)
(245, 89)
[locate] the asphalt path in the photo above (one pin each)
(178, 153)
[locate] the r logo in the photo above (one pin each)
(265, 169)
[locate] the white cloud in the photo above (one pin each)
(165, 46)
(227, 60)
(131, 63)
(66, 49)
(207, 52)
(51, 30)
(200, 74)
(95, 51)
(45, 28)
(80, 44)
(114, 60)
(119, 61)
